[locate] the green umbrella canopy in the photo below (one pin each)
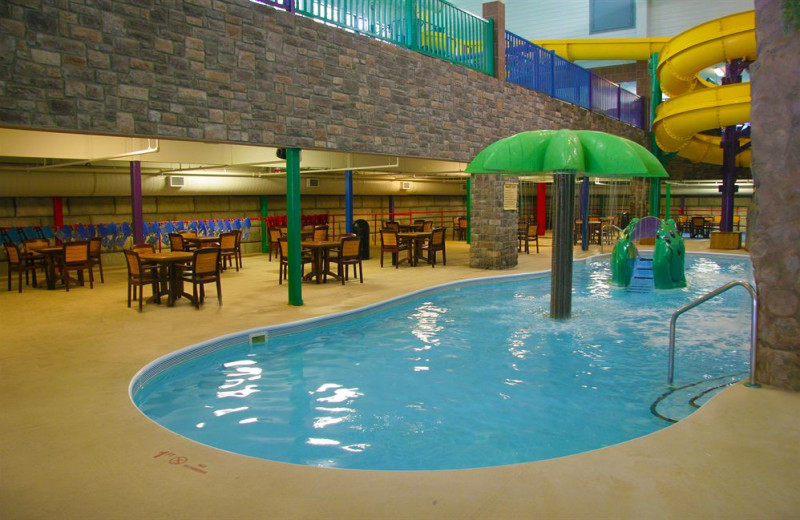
(593, 153)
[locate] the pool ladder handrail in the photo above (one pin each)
(695, 303)
(603, 234)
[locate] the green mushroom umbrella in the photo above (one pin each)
(565, 153)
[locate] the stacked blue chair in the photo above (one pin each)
(193, 226)
(246, 228)
(13, 235)
(47, 232)
(126, 232)
(179, 225)
(110, 237)
(212, 227)
(65, 233)
(202, 229)
(29, 233)
(82, 233)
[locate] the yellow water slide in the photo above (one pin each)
(695, 105)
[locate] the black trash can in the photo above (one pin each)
(361, 228)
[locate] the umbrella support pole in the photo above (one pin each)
(563, 229)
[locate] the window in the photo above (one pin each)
(611, 15)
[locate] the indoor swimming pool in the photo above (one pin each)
(468, 374)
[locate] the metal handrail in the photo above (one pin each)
(695, 303)
(602, 234)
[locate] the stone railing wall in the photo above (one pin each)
(239, 72)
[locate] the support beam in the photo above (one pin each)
(348, 201)
(655, 197)
(264, 236)
(295, 278)
(136, 202)
(541, 207)
(584, 210)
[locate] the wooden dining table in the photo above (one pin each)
(417, 239)
(171, 284)
(197, 242)
(319, 249)
(52, 254)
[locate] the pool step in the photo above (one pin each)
(642, 279)
(679, 402)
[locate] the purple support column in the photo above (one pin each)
(136, 202)
(730, 143)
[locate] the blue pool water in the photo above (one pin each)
(465, 375)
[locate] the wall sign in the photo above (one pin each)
(510, 196)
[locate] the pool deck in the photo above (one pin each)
(72, 446)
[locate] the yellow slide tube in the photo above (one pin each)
(696, 105)
(605, 49)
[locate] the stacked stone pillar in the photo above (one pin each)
(494, 230)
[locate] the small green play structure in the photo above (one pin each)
(664, 270)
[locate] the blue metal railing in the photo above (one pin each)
(536, 68)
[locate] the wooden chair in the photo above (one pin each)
(427, 226)
(76, 258)
(274, 235)
(346, 255)
(239, 247)
(456, 226)
(95, 255)
(18, 263)
(699, 227)
(177, 243)
(143, 248)
(462, 228)
(139, 275)
(682, 223)
(531, 235)
(435, 244)
(391, 244)
(205, 268)
(419, 224)
(227, 250)
(283, 270)
(32, 257)
(320, 233)
(392, 225)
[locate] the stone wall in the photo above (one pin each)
(775, 244)
(240, 72)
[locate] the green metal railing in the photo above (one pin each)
(432, 27)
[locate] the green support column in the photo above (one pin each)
(293, 224)
(655, 197)
(469, 209)
(264, 241)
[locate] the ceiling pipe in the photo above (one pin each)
(355, 168)
(189, 169)
(148, 150)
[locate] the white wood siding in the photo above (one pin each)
(671, 17)
(564, 19)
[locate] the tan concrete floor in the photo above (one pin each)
(72, 446)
